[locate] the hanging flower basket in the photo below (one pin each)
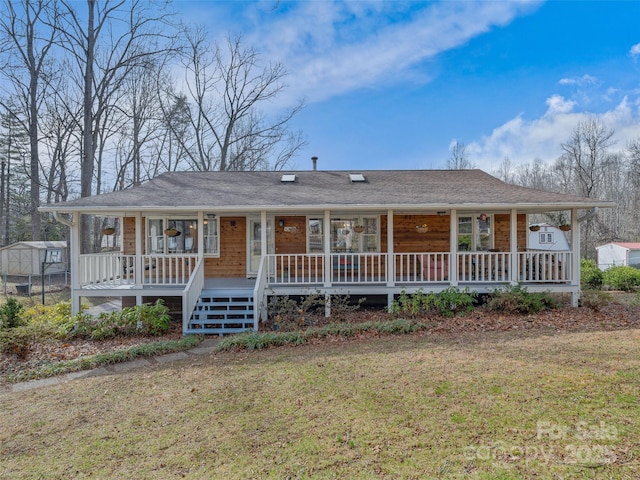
(534, 228)
(358, 229)
(422, 228)
(565, 227)
(171, 232)
(108, 231)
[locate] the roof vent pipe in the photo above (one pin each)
(315, 162)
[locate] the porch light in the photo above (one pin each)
(281, 223)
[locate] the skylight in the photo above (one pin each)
(356, 177)
(288, 178)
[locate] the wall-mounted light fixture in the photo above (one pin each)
(281, 223)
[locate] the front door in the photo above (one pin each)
(254, 242)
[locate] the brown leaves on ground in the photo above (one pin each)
(610, 317)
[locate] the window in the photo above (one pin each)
(314, 232)
(475, 233)
(546, 237)
(355, 234)
(184, 240)
(211, 236)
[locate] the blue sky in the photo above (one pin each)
(392, 84)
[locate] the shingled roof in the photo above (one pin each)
(382, 189)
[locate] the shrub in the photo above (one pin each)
(10, 313)
(447, 303)
(516, 299)
(139, 320)
(18, 340)
(594, 299)
(590, 274)
(51, 314)
(621, 278)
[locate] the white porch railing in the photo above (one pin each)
(191, 293)
(295, 268)
(545, 267)
(484, 267)
(421, 267)
(359, 268)
(106, 269)
(175, 269)
(112, 270)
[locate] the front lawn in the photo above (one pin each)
(471, 404)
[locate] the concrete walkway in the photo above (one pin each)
(205, 348)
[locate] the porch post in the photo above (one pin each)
(201, 230)
(138, 271)
(391, 264)
(575, 265)
(453, 248)
(74, 262)
(263, 233)
(513, 241)
(327, 248)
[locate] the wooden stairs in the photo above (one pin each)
(223, 311)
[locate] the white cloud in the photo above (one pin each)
(579, 81)
(525, 140)
(635, 50)
(331, 48)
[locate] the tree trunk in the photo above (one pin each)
(86, 171)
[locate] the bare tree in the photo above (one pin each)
(29, 29)
(587, 151)
(226, 88)
(117, 37)
(458, 157)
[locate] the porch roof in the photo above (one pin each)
(314, 190)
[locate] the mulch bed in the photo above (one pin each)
(611, 317)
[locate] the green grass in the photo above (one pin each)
(485, 406)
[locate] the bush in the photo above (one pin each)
(10, 313)
(51, 314)
(139, 320)
(590, 275)
(595, 299)
(447, 303)
(18, 340)
(516, 299)
(621, 278)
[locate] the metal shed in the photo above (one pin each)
(25, 258)
(618, 254)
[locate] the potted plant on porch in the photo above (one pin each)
(108, 230)
(171, 232)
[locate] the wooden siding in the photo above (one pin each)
(406, 238)
(129, 236)
(292, 237)
(233, 250)
(502, 234)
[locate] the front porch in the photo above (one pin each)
(182, 275)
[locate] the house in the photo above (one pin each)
(543, 236)
(239, 238)
(618, 253)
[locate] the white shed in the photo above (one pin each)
(547, 237)
(618, 253)
(25, 258)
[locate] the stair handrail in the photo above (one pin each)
(191, 292)
(259, 310)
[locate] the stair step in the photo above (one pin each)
(223, 312)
